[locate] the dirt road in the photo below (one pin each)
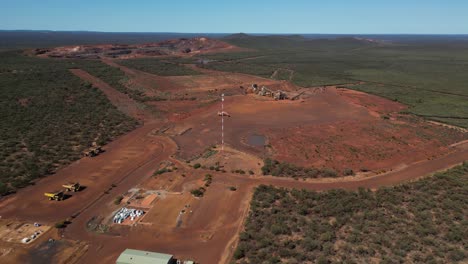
(408, 173)
(122, 101)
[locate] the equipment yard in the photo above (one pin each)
(20, 232)
(171, 185)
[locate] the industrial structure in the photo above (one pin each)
(133, 256)
(277, 95)
(264, 91)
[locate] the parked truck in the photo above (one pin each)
(72, 186)
(57, 196)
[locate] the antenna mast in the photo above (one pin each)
(222, 122)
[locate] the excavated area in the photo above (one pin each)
(180, 47)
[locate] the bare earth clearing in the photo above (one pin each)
(331, 127)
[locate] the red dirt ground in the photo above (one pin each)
(345, 126)
(324, 130)
(340, 145)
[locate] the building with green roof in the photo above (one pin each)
(132, 256)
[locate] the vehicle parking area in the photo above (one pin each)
(13, 231)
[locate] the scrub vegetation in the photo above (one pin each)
(158, 67)
(284, 169)
(49, 116)
(420, 222)
(117, 79)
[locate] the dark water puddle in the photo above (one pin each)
(256, 140)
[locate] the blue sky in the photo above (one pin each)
(249, 16)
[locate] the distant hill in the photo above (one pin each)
(20, 39)
(271, 42)
(237, 36)
(266, 41)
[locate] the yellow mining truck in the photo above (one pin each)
(58, 195)
(72, 186)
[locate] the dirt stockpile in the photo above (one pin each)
(122, 51)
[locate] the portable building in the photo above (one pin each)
(132, 256)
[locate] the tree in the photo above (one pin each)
(240, 251)
(4, 188)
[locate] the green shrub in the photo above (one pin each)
(348, 172)
(61, 224)
(161, 171)
(198, 192)
(118, 200)
(239, 252)
(329, 173)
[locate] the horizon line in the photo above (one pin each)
(231, 33)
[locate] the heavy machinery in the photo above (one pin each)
(254, 87)
(264, 91)
(57, 196)
(93, 151)
(72, 186)
(280, 95)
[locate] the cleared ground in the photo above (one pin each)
(336, 128)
